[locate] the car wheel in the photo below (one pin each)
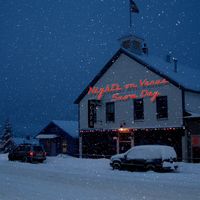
(116, 165)
(24, 159)
(150, 167)
(10, 158)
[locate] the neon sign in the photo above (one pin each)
(116, 88)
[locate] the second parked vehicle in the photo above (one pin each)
(146, 157)
(28, 153)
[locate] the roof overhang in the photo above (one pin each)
(46, 136)
(192, 115)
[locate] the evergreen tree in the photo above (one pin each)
(6, 143)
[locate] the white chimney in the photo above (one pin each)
(175, 64)
(169, 57)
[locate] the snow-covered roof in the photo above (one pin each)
(70, 127)
(192, 115)
(185, 76)
(22, 140)
(130, 36)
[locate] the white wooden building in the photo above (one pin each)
(140, 99)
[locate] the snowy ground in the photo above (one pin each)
(66, 178)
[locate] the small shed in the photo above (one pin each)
(60, 137)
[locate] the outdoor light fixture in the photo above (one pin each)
(124, 130)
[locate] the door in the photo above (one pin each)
(53, 148)
(196, 148)
(124, 146)
(21, 152)
(16, 153)
(124, 142)
(64, 146)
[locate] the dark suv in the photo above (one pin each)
(28, 153)
(146, 157)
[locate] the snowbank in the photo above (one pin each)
(68, 178)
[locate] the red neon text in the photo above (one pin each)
(153, 82)
(124, 98)
(130, 86)
(101, 91)
(144, 93)
(153, 95)
(116, 88)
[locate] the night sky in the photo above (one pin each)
(51, 49)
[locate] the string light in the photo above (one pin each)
(130, 130)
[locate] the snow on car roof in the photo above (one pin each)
(152, 146)
(156, 151)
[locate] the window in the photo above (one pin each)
(126, 44)
(138, 109)
(137, 44)
(161, 106)
(110, 112)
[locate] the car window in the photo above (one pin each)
(145, 153)
(136, 154)
(153, 153)
(27, 148)
(37, 148)
(17, 149)
(21, 148)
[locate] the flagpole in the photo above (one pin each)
(130, 14)
(132, 9)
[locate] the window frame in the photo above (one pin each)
(108, 118)
(162, 110)
(136, 118)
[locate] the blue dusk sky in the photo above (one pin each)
(51, 49)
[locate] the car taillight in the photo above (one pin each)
(31, 153)
(45, 153)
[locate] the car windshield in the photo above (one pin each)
(37, 148)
